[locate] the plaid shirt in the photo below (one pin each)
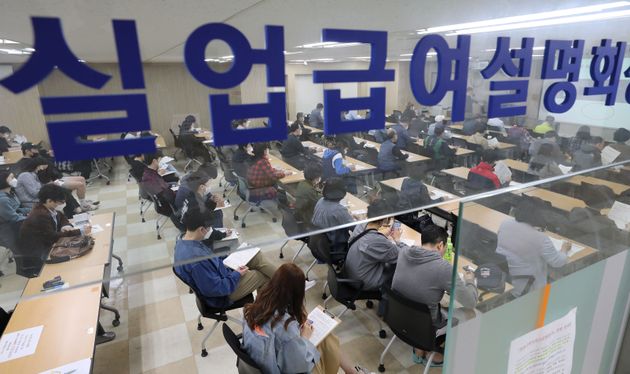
(262, 178)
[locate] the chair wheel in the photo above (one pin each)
(382, 334)
(236, 218)
(369, 304)
(116, 322)
(159, 237)
(199, 327)
(190, 290)
(143, 220)
(243, 225)
(281, 255)
(381, 368)
(274, 219)
(204, 353)
(324, 296)
(120, 268)
(108, 182)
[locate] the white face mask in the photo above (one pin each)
(13, 183)
(61, 207)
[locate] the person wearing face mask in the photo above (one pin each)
(307, 194)
(29, 151)
(5, 139)
(152, 181)
(11, 214)
(194, 194)
(261, 176)
(390, 156)
(28, 183)
(46, 224)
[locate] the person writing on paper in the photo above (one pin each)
(216, 284)
(11, 214)
(550, 138)
(329, 212)
(496, 124)
(307, 194)
(334, 163)
(263, 178)
(528, 250)
(439, 149)
(316, 119)
(479, 138)
(423, 275)
(5, 139)
(589, 155)
(390, 156)
(372, 256)
(292, 150)
(194, 194)
(299, 119)
(546, 126)
(484, 177)
(543, 164)
(46, 224)
(621, 137)
(152, 181)
(276, 330)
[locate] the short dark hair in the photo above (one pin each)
(294, 127)
(193, 219)
(313, 171)
(30, 164)
(27, 147)
(433, 234)
(299, 114)
(545, 149)
(4, 174)
(196, 179)
(259, 149)
(489, 156)
(524, 213)
(378, 208)
(148, 158)
(320, 106)
(52, 192)
(5, 130)
(621, 135)
(596, 139)
(439, 130)
(551, 134)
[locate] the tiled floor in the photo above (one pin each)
(158, 330)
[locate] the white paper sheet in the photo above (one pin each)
(77, 367)
(620, 213)
(81, 219)
(322, 323)
(512, 183)
(435, 194)
(233, 236)
(96, 229)
(358, 212)
(502, 172)
(19, 343)
(240, 258)
(165, 160)
(609, 155)
(167, 173)
(557, 243)
(493, 142)
(548, 349)
(227, 205)
(565, 169)
(408, 242)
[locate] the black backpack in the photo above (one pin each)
(490, 278)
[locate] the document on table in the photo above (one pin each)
(609, 155)
(358, 212)
(81, 219)
(19, 343)
(77, 367)
(557, 243)
(240, 258)
(234, 235)
(436, 194)
(323, 324)
(620, 213)
(502, 172)
(165, 160)
(409, 242)
(96, 229)
(565, 169)
(493, 142)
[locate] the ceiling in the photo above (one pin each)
(163, 25)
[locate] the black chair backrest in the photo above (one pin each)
(243, 358)
(289, 223)
(175, 138)
(342, 289)
(410, 321)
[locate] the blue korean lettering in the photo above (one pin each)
(612, 58)
(222, 112)
(502, 105)
(567, 67)
(446, 57)
(376, 72)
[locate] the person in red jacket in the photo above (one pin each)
(482, 176)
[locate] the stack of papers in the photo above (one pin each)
(609, 155)
(620, 213)
(557, 243)
(240, 258)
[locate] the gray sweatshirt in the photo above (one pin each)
(369, 256)
(27, 188)
(423, 276)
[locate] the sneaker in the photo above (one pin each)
(421, 360)
(309, 284)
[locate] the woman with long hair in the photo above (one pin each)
(276, 331)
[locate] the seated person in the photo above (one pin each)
(496, 124)
(11, 214)
(152, 181)
(242, 159)
(216, 284)
(479, 138)
(546, 126)
(307, 194)
(589, 155)
(441, 153)
(194, 194)
(137, 167)
(29, 151)
(483, 176)
(334, 163)
(374, 249)
(192, 145)
(278, 315)
(440, 121)
(262, 177)
(471, 125)
(28, 183)
(423, 275)
(402, 132)
(621, 137)
(46, 224)
(517, 134)
(5, 139)
(582, 136)
(528, 250)
(292, 151)
(413, 192)
(329, 212)
(354, 149)
(299, 119)
(390, 156)
(543, 163)
(549, 138)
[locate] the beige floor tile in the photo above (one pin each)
(366, 351)
(159, 348)
(185, 366)
(156, 316)
(219, 360)
(215, 340)
(152, 291)
(112, 357)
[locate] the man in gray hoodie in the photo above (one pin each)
(423, 275)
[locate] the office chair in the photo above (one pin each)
(244, 193)
(411, 322)
(165, 212)
(244, 362)
(348, 291)
(144, 198)
(176, 142)
(292, 227)
(229, 177)
(216, 314)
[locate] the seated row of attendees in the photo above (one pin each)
(278, 312)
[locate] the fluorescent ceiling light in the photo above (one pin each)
(14, 51)
(535, 49)
(321, 59)
(28, 49)
(525, 18)
(411, 54)
(292, 53)
(328, 45)
(546, 22)
(7, 41)
(83, 61)
(362, 57)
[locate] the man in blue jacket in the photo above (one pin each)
(218, 285)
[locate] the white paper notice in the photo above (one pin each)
(620, 213)
(609, 155)
(77, 367)
(240, 258)
(548, 349)
(19, 343)
(558, 244)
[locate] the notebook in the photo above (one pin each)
(557, 243)
(323, 324)
(620, 213)
(241, 257)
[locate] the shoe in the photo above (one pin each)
(88, 207)
(106, 337)
(436, 364)
(92, 202)
(362, 370)
(309, 284)
(421, 360)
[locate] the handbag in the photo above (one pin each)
(67, 248)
